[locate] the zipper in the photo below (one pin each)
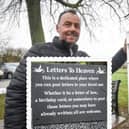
(71, 52)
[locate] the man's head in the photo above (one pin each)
(68, 26)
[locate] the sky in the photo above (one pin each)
(110, 35)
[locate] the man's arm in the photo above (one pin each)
(15, 103)
(119, 59)
(15, 108)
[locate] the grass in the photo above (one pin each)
(2, 100)
(121, 74)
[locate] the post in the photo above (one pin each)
(127, 36)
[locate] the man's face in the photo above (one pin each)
(69, 27)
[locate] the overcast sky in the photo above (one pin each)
(109, 37)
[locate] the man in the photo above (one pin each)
(65, 45)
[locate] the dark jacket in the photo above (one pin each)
(15, 105)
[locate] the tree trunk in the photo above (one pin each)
(35, 23)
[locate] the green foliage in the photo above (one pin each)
(11, 58)
(12, 55)
(2, 103)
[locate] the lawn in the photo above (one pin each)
(121, 74)
(2, 99)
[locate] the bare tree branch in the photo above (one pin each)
(127, 15)
(88, 9)
(13, 4)
(12, 8)
(75, 5)
(113, 8)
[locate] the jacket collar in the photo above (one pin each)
(63, 45)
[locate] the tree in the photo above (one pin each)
(13, 55)
(3, 45)
(34, 15)
(88, 9)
